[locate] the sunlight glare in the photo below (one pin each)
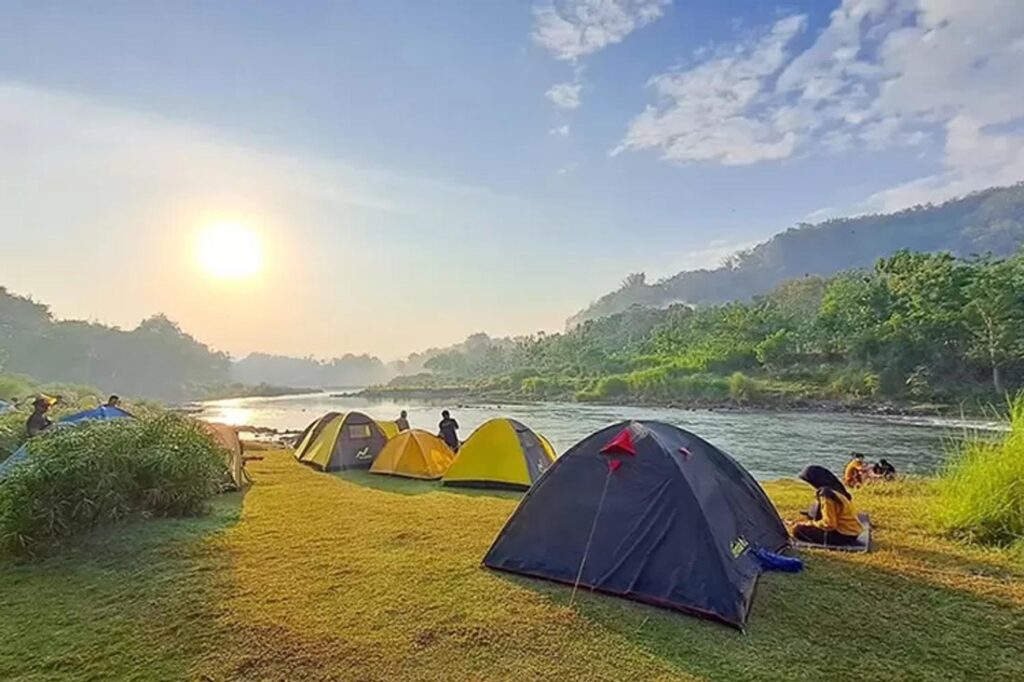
(229, 251)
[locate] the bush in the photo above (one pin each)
(612, 387)
(981, 491)
(742, 388)
(80, 477)
(12, 432)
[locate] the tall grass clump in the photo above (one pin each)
(80, 477)
(981, 491)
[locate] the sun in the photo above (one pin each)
(229, 251)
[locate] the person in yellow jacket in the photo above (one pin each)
(832, 520)
(856, 471)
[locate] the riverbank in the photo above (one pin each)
(779, 401)
(276, 585)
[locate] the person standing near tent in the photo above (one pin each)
(833, 519)
(403, 421)
(38, 421)
(447, 430)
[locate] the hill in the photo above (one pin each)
(988, 222)
(281, 370)
(155, 360)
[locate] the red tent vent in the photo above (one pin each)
(621, 444)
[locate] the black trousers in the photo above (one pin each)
(823, 537)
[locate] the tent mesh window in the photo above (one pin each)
(359, 431)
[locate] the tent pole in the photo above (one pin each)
(590, 539)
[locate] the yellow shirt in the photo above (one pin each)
(853, 476)
(838, 515)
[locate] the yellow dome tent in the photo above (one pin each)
(389, 427)
(414, 454)
(341, 440)
(501, 453)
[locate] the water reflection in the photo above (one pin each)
(770, 444)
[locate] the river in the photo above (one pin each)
(770, 444)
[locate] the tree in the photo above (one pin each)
(994, 313)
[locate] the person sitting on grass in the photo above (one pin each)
(856, 471)
(883, 470)
(447, 430)
(832, 520)
(38, 421)
(114, 401)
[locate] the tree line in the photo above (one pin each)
(916, 327)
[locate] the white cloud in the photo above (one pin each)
(708, 113)
(881, 74)
(560, 131)
(571, 29)
(565, 95)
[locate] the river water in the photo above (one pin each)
(770, 444)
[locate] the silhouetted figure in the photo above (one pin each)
(403, 421)
(114, 401)
(884, 470)
(38, 421)
(448, 429)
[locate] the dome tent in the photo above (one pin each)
(647, 511)
(341, 440)
(501, 453)
(414, 454)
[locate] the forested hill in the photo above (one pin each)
(988, 222)
(279, 370)
(154, 360)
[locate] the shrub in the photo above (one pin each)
(12, 432)
(981, 491)
(742, 388)
(80, 477)
(612, 387)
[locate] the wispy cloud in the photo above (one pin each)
(707, 113)
(565, 95)
(882, 74)
(571, 29)
(560, 131)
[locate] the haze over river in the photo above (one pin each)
(770, 444)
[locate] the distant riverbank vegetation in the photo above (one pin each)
(916, 329)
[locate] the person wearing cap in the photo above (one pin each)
(38, 421)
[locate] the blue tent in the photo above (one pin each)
(102, 412)
(647, 511)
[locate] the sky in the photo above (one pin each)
(419, 171)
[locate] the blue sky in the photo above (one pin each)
(490, 165)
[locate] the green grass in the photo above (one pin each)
(370, 578)
(981, 492)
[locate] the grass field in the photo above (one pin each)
(311, 576)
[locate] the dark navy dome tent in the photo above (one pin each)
(647, 511)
